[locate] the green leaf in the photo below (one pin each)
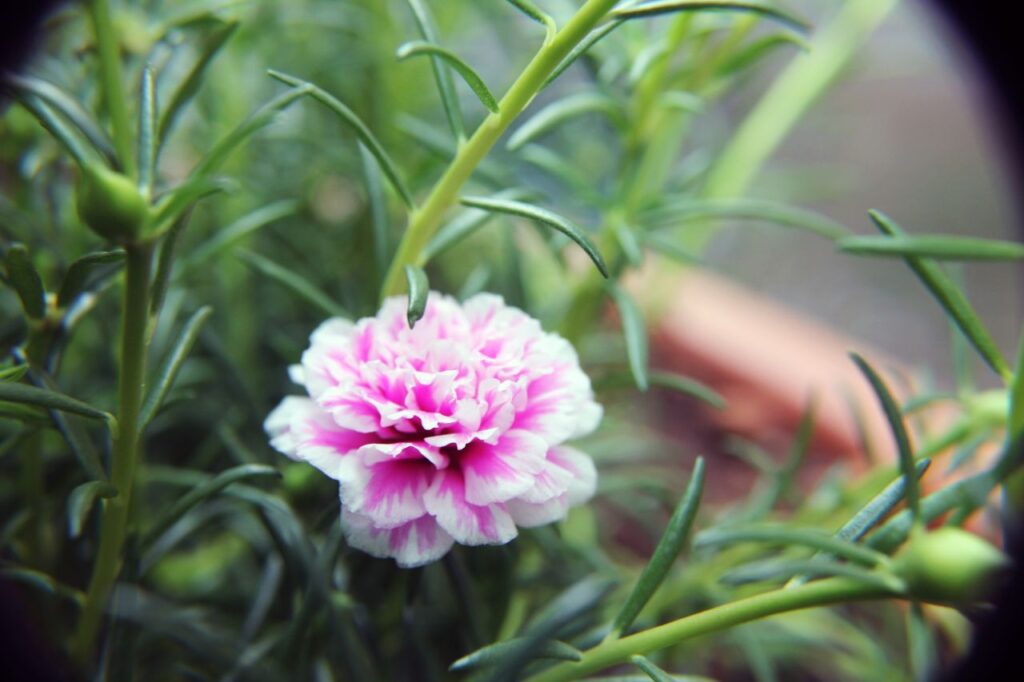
(147, 139)
(923, 653)
(169, 370)
(258, 120)
(188, 88)
(67, 107)
(473, 80)
(951, 299)
(43, 582)
(582, 47)
(382, 247)
(535, 13)
(55, 127)
(77, 277)
(652, 9)
(879, 507)
(652, 671)
(173, 205)
(783, 535)
(465, 224)
(687, 386)
(669, 248)
(1015, 420)
(202, 492)
(295, 283)
(165, 263)
(14, 373)
(773, 569)
(26, 282)
(630, 244)
(80, 503)
(52, 400)
(445, 87)
(899, 431)
(758, 49)
(543, 216)
(635, 331)
(562, 110)
(494, 654)
(939, 247)
(675, 537)
(671, 214)
(235, 232)
(361, 131)
(419, 289)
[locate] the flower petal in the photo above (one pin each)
(531, 514)
(411, 544)
(469, 524)
(584, 480)
(499, 472)
(301, 430)
(388, 492)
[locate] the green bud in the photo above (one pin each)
(950, 565)
(110, 204)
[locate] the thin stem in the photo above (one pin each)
(108, 45)
(426, 219)
(820, 593)
(125, 450)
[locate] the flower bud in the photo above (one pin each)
(110, 204)
(950, 565)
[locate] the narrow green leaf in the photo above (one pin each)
(43, 582)
(635, 331)
(26, 282)
(80, 503)
(445, 87)
(687, 386)
(361, 131)
(923, 652)
(258, 120)
(899, 431)
(939, 247)
(673, 213)
(630, 244)
(294, 282)
(782, 535)
(472, 78)
(675, 537)
(669, 248)
(952, 300)
(52, 400)
(55, 127)
(652, 9)
(202, 492)
(1015, 421)
(147, 137)
(173, 205)
(592, 38)
(14, 373)
(77, 277)
(561, 111)
(543, 216)
(169, 370)
(419, 289)
(382, 247)
(188, 88)
(165, 262)
(67, 107)
(773, 569)
(26, 414)
(235, 232)
(879, 507)
(535, 13)
(652, 671)
(759, 49)
(493, 654)
(465, 224)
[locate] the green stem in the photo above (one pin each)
(426, 219)
(819, 593)
(125, 450)
(108, 45)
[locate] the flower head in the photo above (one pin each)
(452, 431)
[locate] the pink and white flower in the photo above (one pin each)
(453, 431)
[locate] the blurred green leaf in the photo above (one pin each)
(173, 205)
(26, 282)
(899, 431)
(582, 47)
(80, 503)
(171, 366)
(382, 246)
(635, 331)
(14, 373)
(673, 540)
(672, 213)
(473, 80)
(543, 216)
(561, 111)
(531, 10)
(1015, 420)
(669, 248)
(201, 493)
(652, 9)
(418, 288)
(652, 671)
(879, 506)
(787, 536)
(55, 127)
(43, 582)
(147, 133)
(758, 49)
(774, 569)
(939, 247)
(295, 283)
(630, 244)
(466, 224)
(493, 654)
(921, 644)
(188, 87)
(52, 400)
(362, 132)
(77, 277)
(241, 228)
(951, 298)
(445, 87)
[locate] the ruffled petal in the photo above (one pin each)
(469, 524)
(411, 544)
(389, 492)
(496, 473)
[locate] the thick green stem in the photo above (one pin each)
(125, 450)
(820, 593)
(108, 46)
(426, 219)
